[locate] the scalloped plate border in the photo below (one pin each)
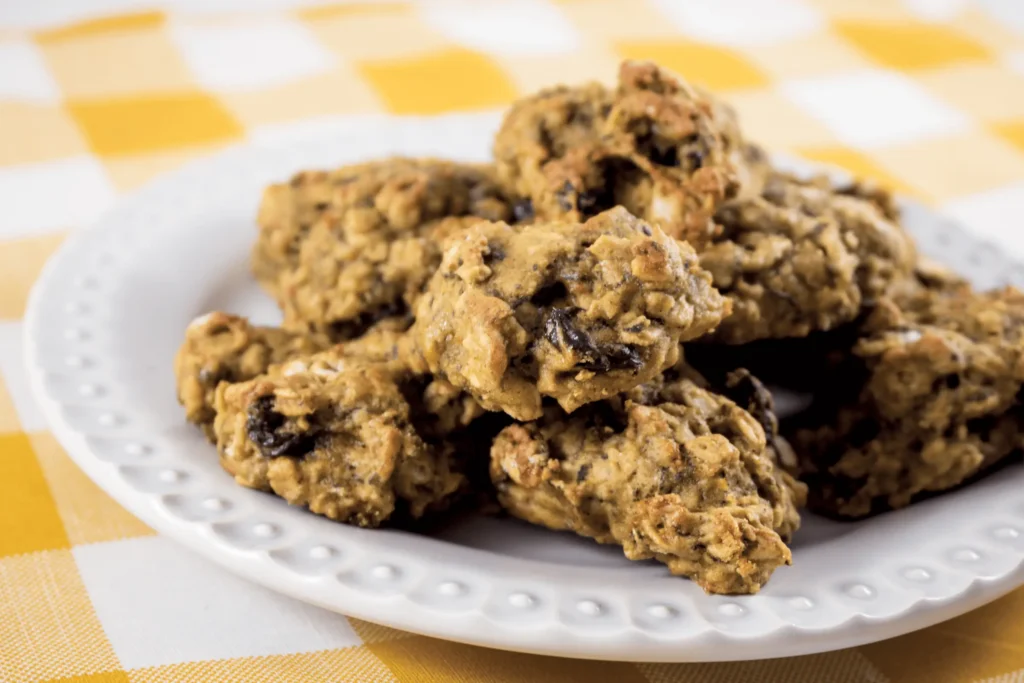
(936, 561)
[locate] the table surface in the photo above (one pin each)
(99, 96)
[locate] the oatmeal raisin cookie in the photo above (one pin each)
(652, 144)
(341, 443)
(574, 312)
(939, 399)
(671, 471)
(344, 249)
(802, 257)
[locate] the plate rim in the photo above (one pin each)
(556, 634)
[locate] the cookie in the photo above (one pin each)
(340, 443)
(802, 257)
(220, 347)
(671, 471)
(939, 399)
(574, 312)
(652, 144)
(343, 250)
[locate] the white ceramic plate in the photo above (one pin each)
(110, 310)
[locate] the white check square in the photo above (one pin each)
(993, 214)
(250, 54)
(160, 604)
(55, 195)
(937, 10)
(742, 22)
(24, 75)
(503, 27)
(874, 107)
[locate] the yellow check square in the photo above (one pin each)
(158, 122)
(447, 80)
(48, 627)
(28, 513)
(911, 45)
(708, 65)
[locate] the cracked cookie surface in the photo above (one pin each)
(573, 312)
(339, 442)
(801, 256)
(939, 400)
(669, 471)
(220, 347)
(341, 250)
(651, 144)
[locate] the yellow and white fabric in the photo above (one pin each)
(98, 96)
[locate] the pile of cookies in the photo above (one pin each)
(576, 332)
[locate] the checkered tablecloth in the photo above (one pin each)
(99, 96)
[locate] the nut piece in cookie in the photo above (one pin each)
(801, 257)
(652, 144)
(368, 242)
(940, 400)
(676, 473)
(574, 312)
(340, 443)
(219, 347)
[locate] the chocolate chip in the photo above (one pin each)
(581, 473)
(263, 426)
(952, 381)
(522, 210)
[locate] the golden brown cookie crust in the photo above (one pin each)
(342, 250)
(674, 473)
(940, 400)
(341, 444)
(652, 144)
(574, 312)
(801, 257)
(220, 347)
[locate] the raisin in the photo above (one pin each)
(263, 426)
(863, 432)
(560, 331)
(564, 196)
(694, 160)
(522, 210)
(622, 357)
(211, 377)
(952, 381)
(547, 296)
(358, 326)
(581, 473)
(321, 206)
(657, 150)
(587, 202)
(746, 391)
(494, 253)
